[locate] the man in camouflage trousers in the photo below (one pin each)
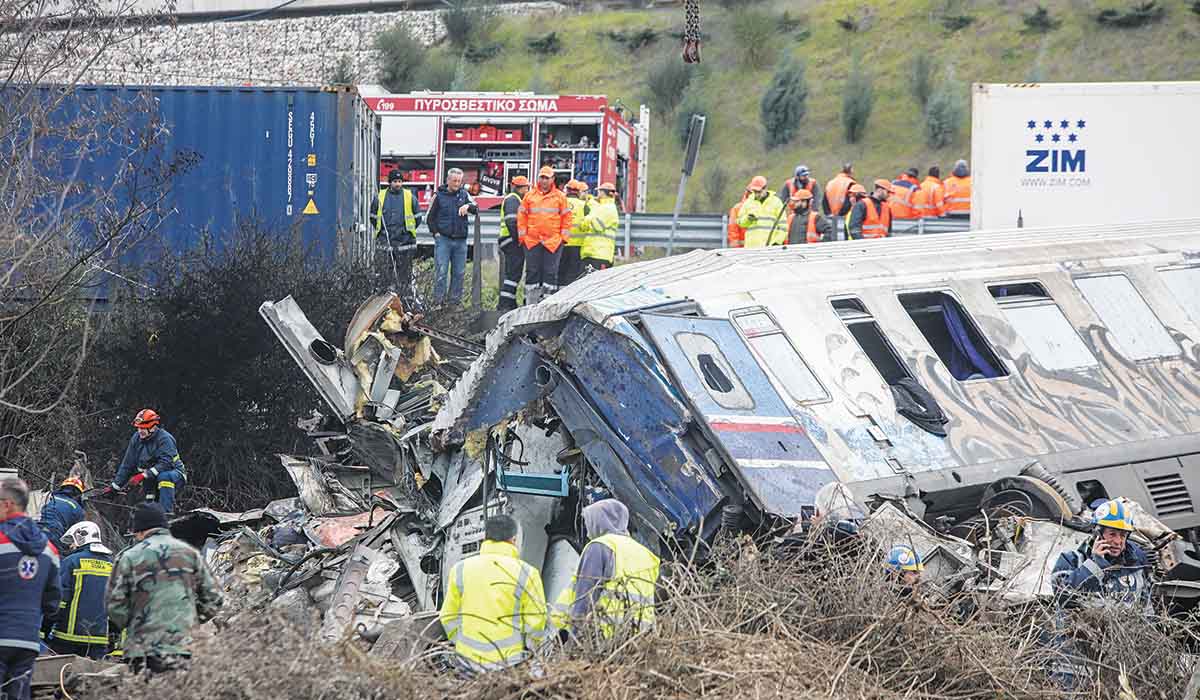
(160, 589)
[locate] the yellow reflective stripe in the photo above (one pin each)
(176, 459)
(166, 484)
(545, 210)
(81, 638)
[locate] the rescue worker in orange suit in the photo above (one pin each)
(571, 269)
(870, 217)
(958, 191)
(510, 246)
(737, 234)
(805, 225)
(801, 180)
(836, 203)
(545, 225)
(903, 189)
(152, 453)
(930, 199)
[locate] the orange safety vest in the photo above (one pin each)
(811, 235)
(930, 199)
(958, 195)
(545, 218)
(877, 222)
(900, 201)
(737, 234)
(789, 188)
(835, 192)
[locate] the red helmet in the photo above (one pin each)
(146, 418)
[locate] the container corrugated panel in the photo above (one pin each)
(282, 156)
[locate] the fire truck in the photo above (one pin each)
(495, 136)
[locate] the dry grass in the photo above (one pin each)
(744, 625)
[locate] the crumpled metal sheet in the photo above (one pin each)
(347, 593)
(889, 526)
(1026, 571)
(310, 484)
(336, 531)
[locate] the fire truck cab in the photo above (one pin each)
(495, 136)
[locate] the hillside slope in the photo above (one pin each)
(995, 47)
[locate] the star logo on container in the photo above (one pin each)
(1053, 144)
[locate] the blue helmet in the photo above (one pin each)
(801, 171)
(903, 558)
(1113, 514)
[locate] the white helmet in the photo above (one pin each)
(80, 534)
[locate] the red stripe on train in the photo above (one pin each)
(757, 428)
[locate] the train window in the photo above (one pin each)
(1184, 283)
(870, 338)
(953, 335)
(714, 370)
(1135, 330)
(778, 355)
(1050, 337)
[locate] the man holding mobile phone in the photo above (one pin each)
(1108, 565)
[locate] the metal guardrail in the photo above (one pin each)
(700, 230)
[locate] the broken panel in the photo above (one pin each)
(323, 364)
(778, 463)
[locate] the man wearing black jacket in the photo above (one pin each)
(447, 220)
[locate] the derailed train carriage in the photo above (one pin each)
(1038, 370)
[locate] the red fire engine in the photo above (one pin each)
(495, 136)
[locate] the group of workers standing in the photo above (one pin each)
(549, 236)
(790, 216)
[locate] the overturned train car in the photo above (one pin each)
(1035, 370)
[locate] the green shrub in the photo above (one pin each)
(667, 79)
(634, 39)
(1139, 16)
(1040, 21)
(466, 21)
(753, 33)
(436, 73)
(737, 4)
(944, 115)
(784, 103)
(1196, 6)
(400, 57)
(482, 52)
(545, 45)
(858, 99)
(953, 23)
(921, 79)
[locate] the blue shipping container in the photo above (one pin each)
(292, 158)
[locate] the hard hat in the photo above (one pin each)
(146, 418)
(520, 181)
(394, 175)
(79, 534)
(960, 163)
(74, 481)
(606, 187)
(758, 183)
(885, 185)
(912, 172)
(1113, 514)
(800, 195)
(546, 171)
(801, 171)
(571, 185)
(903, 558)
(857, 189)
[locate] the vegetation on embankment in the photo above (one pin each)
(610, 52)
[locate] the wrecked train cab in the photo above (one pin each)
(1036, 370)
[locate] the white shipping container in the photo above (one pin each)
(1084, 153)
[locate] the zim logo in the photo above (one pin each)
(1054, 146)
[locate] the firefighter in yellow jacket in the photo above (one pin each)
(603, 220)
(495, 609)
(763, 216)
(617, 576)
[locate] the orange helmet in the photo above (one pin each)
(520, 181)
(146, 418)
(575, 185)
(885, 185)
(857, 189)
(800, 195)
(606, 187)
(74, 481)
(758, 183)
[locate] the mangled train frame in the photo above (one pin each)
(1034, 370)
